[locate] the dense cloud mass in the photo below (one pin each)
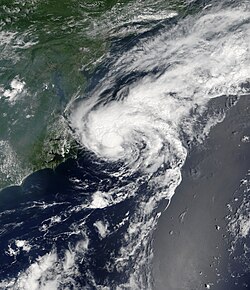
(135, 119)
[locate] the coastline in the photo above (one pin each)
(191, 240)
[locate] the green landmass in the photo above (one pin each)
(53, 47)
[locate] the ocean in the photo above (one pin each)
(100, 104)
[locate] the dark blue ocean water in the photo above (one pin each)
(57, 211)
(23, 214)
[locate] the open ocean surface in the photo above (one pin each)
(128, 84)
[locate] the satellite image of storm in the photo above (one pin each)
(124, 144)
